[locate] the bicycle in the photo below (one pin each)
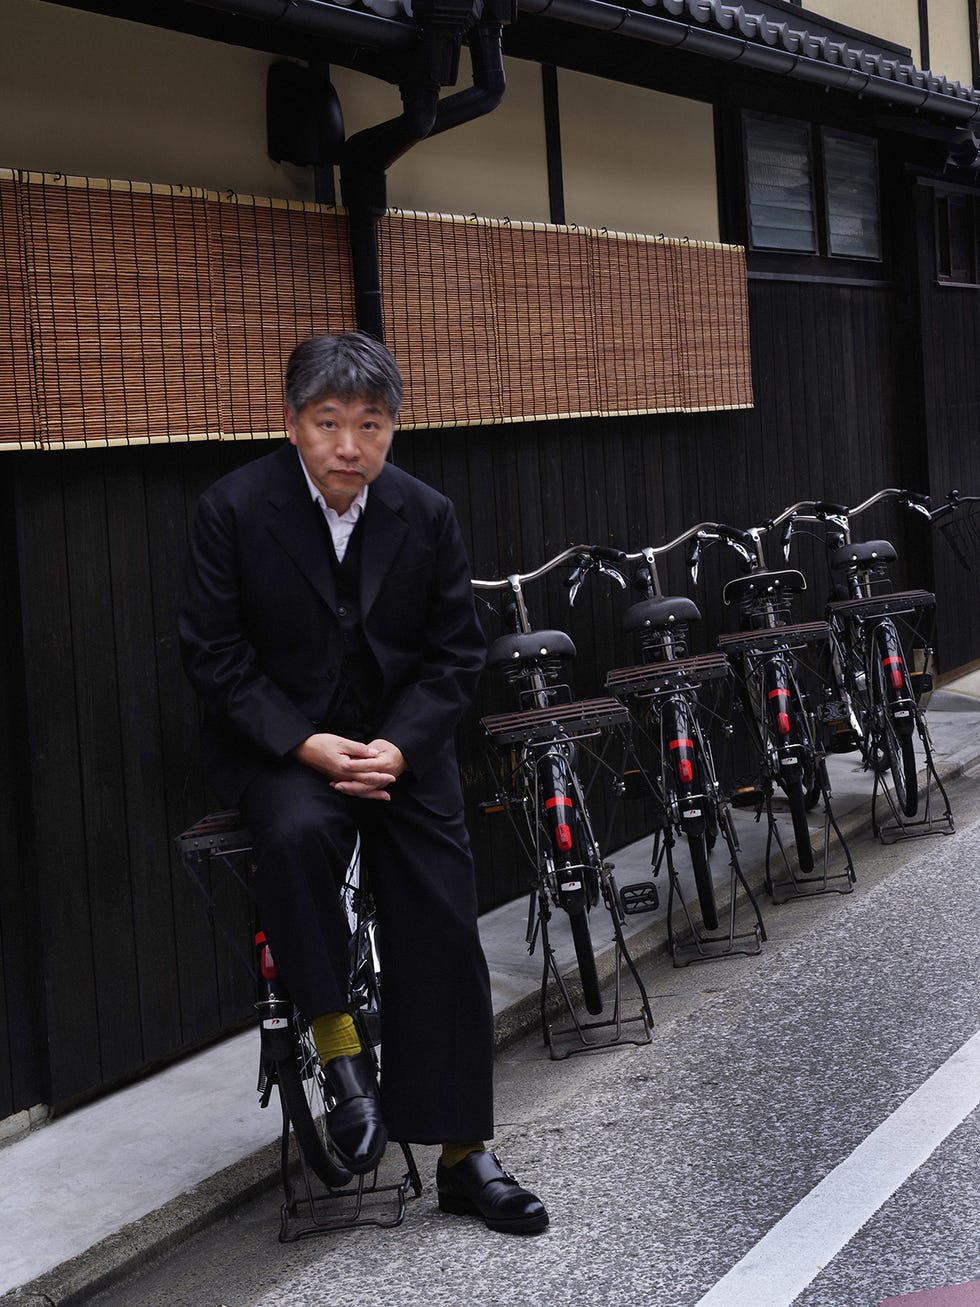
(538, 751)
(664, 696)
(771, 656)
(874, 694)
(288, 1058)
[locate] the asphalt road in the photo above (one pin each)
(803, 1128)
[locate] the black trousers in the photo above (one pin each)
(437, 1018)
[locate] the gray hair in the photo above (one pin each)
(351, 366)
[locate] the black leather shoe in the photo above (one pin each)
(479, 1186)
(354, 1113)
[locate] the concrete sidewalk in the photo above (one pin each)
(88, 1196)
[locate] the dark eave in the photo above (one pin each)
(372, 34)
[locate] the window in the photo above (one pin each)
(957, 238)
(811, 190)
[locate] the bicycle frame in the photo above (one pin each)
(873, 699)
(664, 698)
(558, 836)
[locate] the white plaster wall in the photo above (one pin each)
(100, 97)
(949, 39)
(893, 20)
(637, 160)
(494, 166)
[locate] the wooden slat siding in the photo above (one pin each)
(143, 771)
(951, 348)
(188, 796)
(21, 985)
(99, 742)
(58, 837)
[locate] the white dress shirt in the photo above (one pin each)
(341, 524)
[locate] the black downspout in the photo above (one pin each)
(366, 158)
(368, 155)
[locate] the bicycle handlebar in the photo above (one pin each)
(518, 578)
(954, 500)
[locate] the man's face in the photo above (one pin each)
(343, 445)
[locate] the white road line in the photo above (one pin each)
(797, 1248)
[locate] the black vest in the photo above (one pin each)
(355, 708)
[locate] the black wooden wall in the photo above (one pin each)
(950, 319)
(103, 942)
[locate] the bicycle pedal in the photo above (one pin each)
(747, 796)
(841, 739)
(641, 897)
(921, 683)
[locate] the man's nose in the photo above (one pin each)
(347, 444)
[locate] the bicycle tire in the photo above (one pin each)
(301, 1092)
(899, 749)
(801, 828)
(698, 847)
(585, 957)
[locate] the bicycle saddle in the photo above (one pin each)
(655, 614)
(757, 585)
(528, 648)
(863, 554)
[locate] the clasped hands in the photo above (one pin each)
(363, 771)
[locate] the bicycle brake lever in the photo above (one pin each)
(786, 537)
(614, 573)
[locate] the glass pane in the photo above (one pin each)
(853, 216)
(780, 185)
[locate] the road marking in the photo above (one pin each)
(781, 1265)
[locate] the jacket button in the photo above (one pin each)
(342, 612)
(331, 674)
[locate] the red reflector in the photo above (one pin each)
(685, 771)
(893, 666)
(782, 722)
(266, 964)
(565, 801)
(563, 836)
(682, 744)
(260, 937)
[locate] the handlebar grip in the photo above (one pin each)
(733, 533)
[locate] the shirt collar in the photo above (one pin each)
(351, 514)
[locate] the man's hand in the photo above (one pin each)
(362, 770)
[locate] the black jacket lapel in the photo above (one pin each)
(294, 521)
(384, 535)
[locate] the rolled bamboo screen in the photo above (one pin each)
(134, 313)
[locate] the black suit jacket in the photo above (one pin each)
(261, 638)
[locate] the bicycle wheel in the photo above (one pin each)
(585, 957)
(899, 748)
(698, 846)
(801, 829)
(301, 1090)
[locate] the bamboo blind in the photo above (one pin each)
(134, 313)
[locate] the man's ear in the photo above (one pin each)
(290, 423)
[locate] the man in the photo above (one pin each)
(328, 625)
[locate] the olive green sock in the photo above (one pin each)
(453, 1153)
(335, 1035)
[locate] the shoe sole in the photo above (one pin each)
(458, 1206)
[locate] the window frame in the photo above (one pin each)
(941, 198)
(821, 259)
